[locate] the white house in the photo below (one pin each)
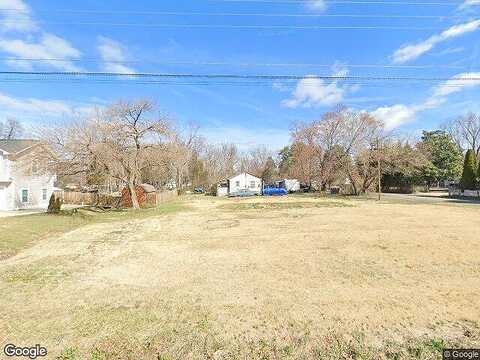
(238, 183)
(25, 182)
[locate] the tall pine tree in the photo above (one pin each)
(469, 171)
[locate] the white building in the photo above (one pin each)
(24, 181)
(291, 185)
(238, 183)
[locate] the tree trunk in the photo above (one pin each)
(133, 195)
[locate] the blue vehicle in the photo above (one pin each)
(271, 191)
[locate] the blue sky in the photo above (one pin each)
(435, 41)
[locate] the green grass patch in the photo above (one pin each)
(20, 232)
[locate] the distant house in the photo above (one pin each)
(238, 183)
(291, 185)
(25, 182)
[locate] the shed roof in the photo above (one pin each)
(148, 188)
(17, 145)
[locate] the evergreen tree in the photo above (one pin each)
(269, 171)
(469, 171)
(51, 204)
(443, 154)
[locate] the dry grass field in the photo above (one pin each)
(262, 278)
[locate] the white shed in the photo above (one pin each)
(241, 182)
(291, 185)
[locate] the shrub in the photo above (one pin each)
(51, 204)
(58, 205)
(54, 205)
(469, 171)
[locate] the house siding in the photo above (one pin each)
(244, 182)
(15, 177)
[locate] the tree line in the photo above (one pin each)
(131, 142)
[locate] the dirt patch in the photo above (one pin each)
(294, 280)
(284, 205)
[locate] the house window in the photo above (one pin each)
(252, 184)
(237, 183)
(35, 167)
(24, 196)
(44, 194)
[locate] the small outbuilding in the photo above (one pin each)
(146, 195)
(239, 183)
(291, 185)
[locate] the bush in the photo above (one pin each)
(54, 205)
(469, 175)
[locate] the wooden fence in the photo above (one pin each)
(76, 198)
(166, 196)
(90, 199)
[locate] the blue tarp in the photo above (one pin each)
(274, 192)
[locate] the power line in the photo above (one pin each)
(202, 83)
(219, 63)
(230, 26)
(369, 2)
(231, 76)
(226, 14)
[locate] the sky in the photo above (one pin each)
(433, 40)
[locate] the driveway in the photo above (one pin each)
(431, 197)
(4, 214)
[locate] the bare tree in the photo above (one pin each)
(11, 129)
(119, 142)
(255, 160)
(336, 145)
(221, 161)
(465, 130)
(183, 149)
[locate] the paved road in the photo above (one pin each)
(432, 197)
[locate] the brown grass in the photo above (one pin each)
(248, 278)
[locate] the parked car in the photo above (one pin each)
(242, 193)
(271, 191)
(199, 190)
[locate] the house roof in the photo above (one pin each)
(148, 188)
(17, 145)
(243, 173)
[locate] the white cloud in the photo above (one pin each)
(21, 37)
(400, 114)
(457, 83)
(395, 116)
(20, 20)
(113, 53)
(468, 3)
(317, 5)
(413, 51)
(315, 92)
(22, 108)
(48, 46)
(312, 91)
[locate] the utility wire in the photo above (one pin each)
(225, 14)
(369, 2)
(230, 76)
(219, 63)
(289, 87)
(230, 26)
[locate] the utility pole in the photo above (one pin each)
(379, 171)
